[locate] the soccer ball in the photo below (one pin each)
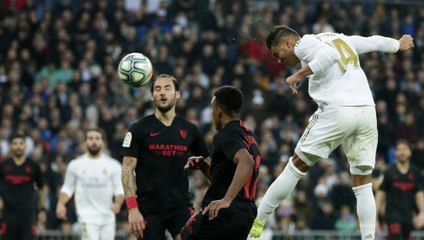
(135, 69)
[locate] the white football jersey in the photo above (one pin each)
(338, 78)
(94, 182)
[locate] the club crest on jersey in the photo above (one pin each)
(183, 133)
(127, 140)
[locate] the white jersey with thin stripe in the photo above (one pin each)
(338, 78)
(94, 182)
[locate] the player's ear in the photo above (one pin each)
(177, 94)
(219, 111)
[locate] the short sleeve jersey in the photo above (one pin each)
(400, 192)
(18, 187)
(233, 137)
(161, 152)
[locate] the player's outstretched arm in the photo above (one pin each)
(135, 219)
(245, 166)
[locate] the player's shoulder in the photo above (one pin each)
(391, 170)
(415, 170)
(141, 122)
(233, 129)
(78, 160)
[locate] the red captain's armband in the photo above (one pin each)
(131, 202)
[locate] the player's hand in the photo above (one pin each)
(116, 208)
(294, 82)
(194, 163)
(214, 207)
(136, 221)
(406, 42)
(61, 211)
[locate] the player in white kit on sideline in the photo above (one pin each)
(345, 116)
(95, 178)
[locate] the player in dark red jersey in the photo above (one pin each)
(402, 191)
(228, 208)
(156, 148)
(18, 175)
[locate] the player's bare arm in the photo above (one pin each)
(293, 80)
(42, 193)
(380, 200)
(201, 163)
(245, 166)
(60, 207)
(135, 219)
(406, 42)
(419, 199)
(117, 203)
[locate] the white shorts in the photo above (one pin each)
(353, 127)
(91, 231)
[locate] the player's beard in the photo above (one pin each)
(166, 108)
(94, 151)
(18, 153)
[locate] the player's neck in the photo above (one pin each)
(227, 119)
(166, 117)
(403, 167)
(19, 160)
(93, 157)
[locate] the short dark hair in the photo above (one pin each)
(174, 81)
(277, 32)
(229, 98)
(94, 129)
(17, 135)
(402, 141)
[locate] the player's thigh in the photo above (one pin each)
(406, 230)
(324, 133)
(394, 230)
(177, 218)
(26, 231)
(232, 223)
(155, 226)
(107, 231)
(90, 231)
(9, 230)
(361, 145)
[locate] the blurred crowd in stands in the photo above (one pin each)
(58, 61)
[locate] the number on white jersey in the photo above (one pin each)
(346, 53)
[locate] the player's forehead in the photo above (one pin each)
(276, 48)
(163, 82)
(94, 134)
(18, 141)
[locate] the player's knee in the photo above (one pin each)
(361, 170)
(361, 175)
(298, 163)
